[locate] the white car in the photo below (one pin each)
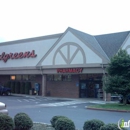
(3, 108)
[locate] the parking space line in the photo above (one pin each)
(19, 100)
(26, 100)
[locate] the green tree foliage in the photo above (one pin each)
(93, 124)
(118, 79)
(64, 124)
(13, 86)
(111, 126)
(17, 87)
(8, 84)
(22, 121)
(6, 122)
(55, 118)
(22, 88)
(27, 87)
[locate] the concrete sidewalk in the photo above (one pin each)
(87, 100)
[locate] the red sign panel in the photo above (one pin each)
(17, 55)
(69, 70)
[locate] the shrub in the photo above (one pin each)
(22, 121)
(8, 84)
(6, 122)
(64, 124)
(54, 119)
(22, 88)
(93, 124)
(17, 87)
(110, 127)
(27, 87)
(13, 87)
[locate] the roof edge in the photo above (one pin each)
(31, 39)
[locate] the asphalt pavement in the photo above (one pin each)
(42, 109)
(82, 100)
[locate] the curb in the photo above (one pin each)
(101, 109)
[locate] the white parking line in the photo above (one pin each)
(26, 100)
(31, 99)
(19, 100)
(61, 103)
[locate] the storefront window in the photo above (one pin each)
(57, 77)
(18, 77)
(66, 77)
(50, 77)
(25, 77)
(31, 77)
(83, 77)
(12, 77)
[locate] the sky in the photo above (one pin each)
(21, 19)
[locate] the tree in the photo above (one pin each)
(118, 79)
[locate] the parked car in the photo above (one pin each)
(121, 99)
(3, 108)
(5, 90)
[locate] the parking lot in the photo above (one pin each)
(42, 109)
(37, 101)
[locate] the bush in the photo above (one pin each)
(55, 118)
(22, 88)
(22, 121)
(17, 87)
(8, 84)
(27, 87)
(64, 124)
(6, 122)
(13, 87)
(110, 127)
(93, 124)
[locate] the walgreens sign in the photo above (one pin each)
(28, 54)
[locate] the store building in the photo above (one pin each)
(70, 64)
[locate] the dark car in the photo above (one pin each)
(127, 100)
(5, 90)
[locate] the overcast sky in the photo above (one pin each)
(20, 19)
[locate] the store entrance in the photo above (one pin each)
(89, 88)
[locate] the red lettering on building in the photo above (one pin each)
(32, 54)
(20, 55)
(17, 55)
(69, 70)
(11, 56)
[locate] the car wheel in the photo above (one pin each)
(8, 93)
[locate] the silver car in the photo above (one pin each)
(3, 108)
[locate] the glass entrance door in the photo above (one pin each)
(89, 85)
(89, 89)
(83, 90)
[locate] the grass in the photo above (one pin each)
(111, 106)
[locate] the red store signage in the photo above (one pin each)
(17, 55)
(70, 70)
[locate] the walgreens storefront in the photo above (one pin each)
(70, 64)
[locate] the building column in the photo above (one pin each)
(44, 85)
(108, 96)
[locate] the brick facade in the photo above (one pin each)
(63, 88)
